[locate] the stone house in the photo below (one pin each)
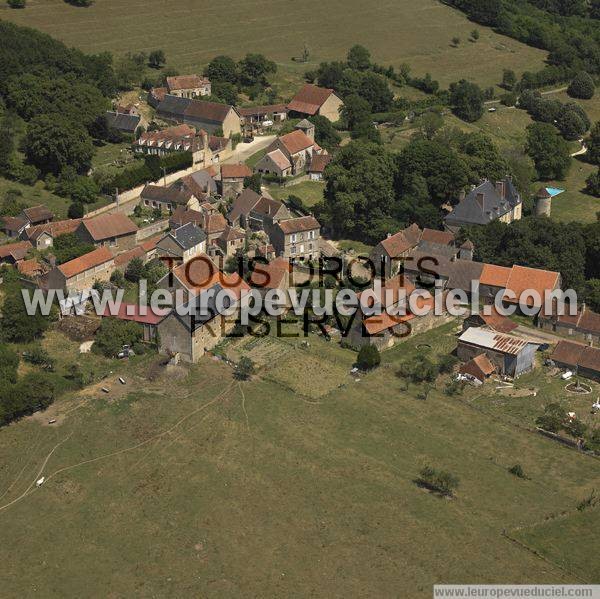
(43, 236)
(254, 117)
(168, 199)
(12, 253)
(115, 231)
(148, 317)
(185, 243)
(316, 168)
(81, 273)
(255, 212)
(188, 86)
(297, 147)
(512, 356)
(583, 326)
(274, 163)
(232, 179)
(231, 241)
(485, 203)
(296, 237)
(583, 359)
(126, 123)
(37, 215)
(311, 100)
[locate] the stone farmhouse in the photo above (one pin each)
(13, 253)
(583, 359)
(188, 86)
(485, 203)
(114, 231)
(201, 114)
(81, 273)
(14, 226)
(168, 199)
(317, 166)
(583, 326)
(124, 122)
(43, 236)
(289, 154)
(312, 100)
(254, 117)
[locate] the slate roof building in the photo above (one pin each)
(485, 203)
(126, 123)
(184, 243)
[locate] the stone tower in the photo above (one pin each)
(543, 203)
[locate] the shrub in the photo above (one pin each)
(76, 210)
(244, 369)
(18, 326)
(582, 86)
(117, 278)
(40, 357)
(517, 470)
(368, 357)
(447, 363)
(440, 481)
(16, 3)
(134, 270)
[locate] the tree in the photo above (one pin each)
(429, 123)
(254, 182)
(244, 368)
(593, 144)
(223, 69)
(69, 246)
(509, 79)
(552, 419)
(475, 35)
(18, 326)
(440, 481)
(359, 58)
(549, 151)
(254, 69)
(368, 357)
(135, 270)
(9, 362)
(76, 210)
(113, 334)
(157, 59)
(355, 111)
(7, 142)
(592, 184)
(326, 135)
(467, 100)
(582, 86)
(571, 125)
(225, 92)
(375, 90)
(16, 3)
(117, 278)
(53, 142)
(456, 42)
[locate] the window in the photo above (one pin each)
(293, 238)
(293, 249)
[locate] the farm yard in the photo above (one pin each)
(418, 33)
(253, 488)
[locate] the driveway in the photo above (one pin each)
(243, 151)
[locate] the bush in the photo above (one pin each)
(419, 369)
(447, 363)
(32, 393)
(39, 357)
(439, 481)
(368, 357)
(76, 210)
(592, 184)
(18, 326)
(117, 278)
(16, 3)
(582, 86)
(9, 362)
(135, 270)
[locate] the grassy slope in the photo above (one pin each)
(191, 33)
(272, 493)
(311, 192)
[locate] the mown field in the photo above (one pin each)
(195, 485)
(193, 31)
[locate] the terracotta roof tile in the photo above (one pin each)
(434, 236)
(298, 225)
(133, 312)
(85, 262)
(37, 214)
(522, 278)
(235, 171)
(318, 163)
(309, 99)
(494, 276)
(296, 141)
(16, 250)
(107, 226)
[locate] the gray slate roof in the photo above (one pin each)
(123, 122)
(471, 211)
(202, 308)
(173, 106)
(189, 236)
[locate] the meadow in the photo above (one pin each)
(193, 484)
(194, 31)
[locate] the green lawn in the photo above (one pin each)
(418, 33)
(253, 160)
(310, 192)
(231, 490)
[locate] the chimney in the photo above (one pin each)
(501, 189)
(480, 199)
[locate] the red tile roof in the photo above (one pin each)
(262, 110)
(16, 251)
(85, 262)
(296, 141)
(134, 312)
(434, 236)
(107, 226)
(214, 223)
(401, 242)
(494, 276)
(37, 214)
(55, 229)
(186, 82)
(522, 278)
(235, 171)
(271, 275)
(480, 367)
(318, 163)
(13, 223)
(309, 99)
(300, 224)
(29, 268)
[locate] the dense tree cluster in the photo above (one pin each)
(370, 191)
(548, 150)
(113, 334)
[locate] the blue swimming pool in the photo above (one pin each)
(554, 191)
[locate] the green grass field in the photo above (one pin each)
(195, 485)
(418, 33)
(310, 192)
